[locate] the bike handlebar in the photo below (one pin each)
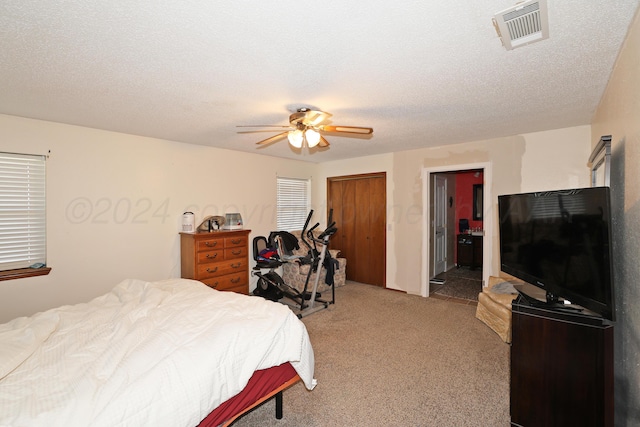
(306, 223)
(329, 231)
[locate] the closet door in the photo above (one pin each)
(359, 209)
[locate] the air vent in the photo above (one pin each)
(522, 24)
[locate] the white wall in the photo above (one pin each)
(115, 200)
(556, 159)
(115, 203)
(547, 160)
(617, 115)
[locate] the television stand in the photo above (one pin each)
(561, 368)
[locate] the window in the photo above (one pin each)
(22, 215)
(293, 203)
(600, 162)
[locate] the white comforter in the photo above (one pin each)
(162, 354)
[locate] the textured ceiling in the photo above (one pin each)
(425, 73)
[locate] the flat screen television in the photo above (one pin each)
(560, 241)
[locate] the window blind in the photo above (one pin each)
(22, 211)
(293, 202)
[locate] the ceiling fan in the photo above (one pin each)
(305, 127)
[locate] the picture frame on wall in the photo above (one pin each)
(600, 163)
(477, 202)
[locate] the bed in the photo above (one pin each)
(168, 353)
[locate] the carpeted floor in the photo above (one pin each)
(387, 358)
(458, 283)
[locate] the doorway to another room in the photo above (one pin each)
(455, 225)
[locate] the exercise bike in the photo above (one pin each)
(270, 254)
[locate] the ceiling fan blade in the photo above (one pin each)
(263, 126)
(323, 142)
(347, 129)
(274, 138)
(258, 131)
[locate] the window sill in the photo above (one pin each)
(21, 273)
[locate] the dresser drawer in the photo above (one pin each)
(208, 244)
(210, 256)
(239, 252)
(231, 242)
(229, 282)
(206, 271)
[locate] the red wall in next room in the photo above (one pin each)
(464, 197)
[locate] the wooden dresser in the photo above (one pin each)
(219, 259)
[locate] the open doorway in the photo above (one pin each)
(456, 262)
(444, 225)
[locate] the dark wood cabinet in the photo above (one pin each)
(469, 251)
(561, 368)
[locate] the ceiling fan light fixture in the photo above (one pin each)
(312, 136)
(305, 128)
(295, 138)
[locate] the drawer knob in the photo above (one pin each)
(236, 280)
(209, 270)
(236, 252)
(212, 256)
(211, 244)
(236, 241)
(236, 265)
